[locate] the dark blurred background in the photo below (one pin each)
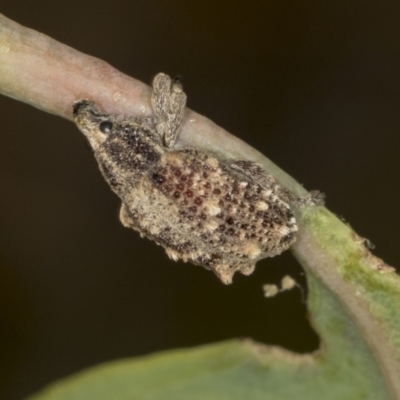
(312, 84)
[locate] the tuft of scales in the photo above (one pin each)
(224, 215)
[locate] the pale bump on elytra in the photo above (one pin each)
(224, 215)
(262, 205)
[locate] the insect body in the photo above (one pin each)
(224, 215)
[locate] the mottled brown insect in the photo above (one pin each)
(224, 215)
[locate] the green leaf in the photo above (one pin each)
(358, 319)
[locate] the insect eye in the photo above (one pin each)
(177, 79)
(105, 126)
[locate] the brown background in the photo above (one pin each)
(312, 84)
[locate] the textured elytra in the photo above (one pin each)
(224, 215)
